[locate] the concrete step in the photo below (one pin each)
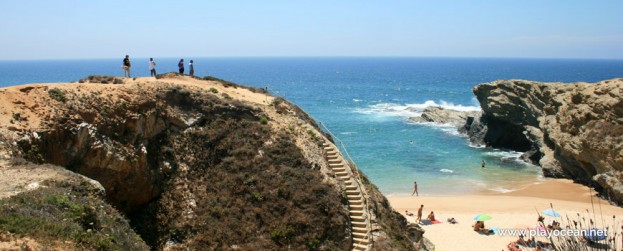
(356, 212)
(355, 207)
(328, 148)
(360, 230)
(341, 173)
(359, 224)
(332, 152)
(360, 246)
(325, 144)
(338, 169)
(336, 165)
(361, 241)
(360, 235)
(334, 161)
(353, 196)
(329, 157)
(354, 218)
(345, 177)
(351, 187)
(355, 202)
(341, 164)
(353, 192)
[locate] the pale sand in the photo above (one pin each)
(509, 210)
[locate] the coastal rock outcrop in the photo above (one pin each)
(444, 116)
(196, 163)
(571, 130)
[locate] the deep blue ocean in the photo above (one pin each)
(367, 102)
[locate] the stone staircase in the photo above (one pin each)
(359, 218)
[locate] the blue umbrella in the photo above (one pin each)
(551, 212)
(595, 234)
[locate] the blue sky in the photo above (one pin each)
(67, 29)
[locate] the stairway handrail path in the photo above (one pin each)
(357, 177)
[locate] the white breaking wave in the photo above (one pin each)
(411, 110)
(446, 171)
(450, 130)
(503, 154)
(501, 190)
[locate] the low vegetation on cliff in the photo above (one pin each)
(71, 214)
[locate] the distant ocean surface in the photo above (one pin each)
(367, 102)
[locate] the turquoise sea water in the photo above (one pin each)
(367, 102)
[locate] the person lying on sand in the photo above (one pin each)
(408, 213)
(452, 220)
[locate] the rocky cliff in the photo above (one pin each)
(570, 130)
(193, 163)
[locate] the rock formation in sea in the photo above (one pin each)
(178, 163)
(571, 130)
(444, 116)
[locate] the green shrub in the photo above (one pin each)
(57, 94)
(213, 90)
(263, 120)
(282, 233)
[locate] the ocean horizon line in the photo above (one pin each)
(322, 57)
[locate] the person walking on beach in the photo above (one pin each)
(419, 214)
(126, 66)
(152, 67)
(192, 68)
(415, 188)
(483, 163)
(180, 65)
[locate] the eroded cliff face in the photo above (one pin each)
(570, 130)
(196, 164)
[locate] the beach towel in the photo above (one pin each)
(428, 222)
(495, 230)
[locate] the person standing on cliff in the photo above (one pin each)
(126, 66)
(152, 67)
(483, 163)
(192, 68)
(180, 65)
(415, 189)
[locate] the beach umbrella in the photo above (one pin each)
(595, 234)
(551, 212)
(482, 217)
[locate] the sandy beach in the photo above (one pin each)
(513, 210)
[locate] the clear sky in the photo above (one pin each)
(66, 29)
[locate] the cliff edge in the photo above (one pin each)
(192, 163)
(571, 130)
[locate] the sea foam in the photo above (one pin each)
(411, 110)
